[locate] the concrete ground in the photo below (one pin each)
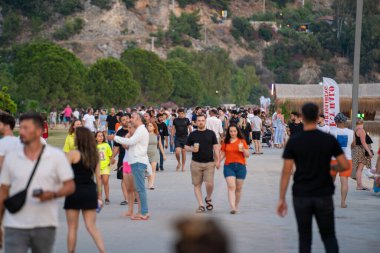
(256, 229)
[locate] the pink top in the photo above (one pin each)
(68, 111)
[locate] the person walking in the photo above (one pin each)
(138, 159)
(215, 124)
(88, 194)
(53, 119)
(345, 138)
(67, 113)
(245, 128)
(235, 150)
(102, 122)
(257, 128)
(295, 125)
(8, 142)
(279, 132)
(180, 130)
(361, 154)
(33, 227)
(105, 155)
(70, 138)
(164, 136)
(171, 136)
(154, 142)
(311, 152)
(112, 120)
(89, 120)
(204, 146)
(119, 150)
(128, 178)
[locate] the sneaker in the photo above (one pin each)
(123, 203)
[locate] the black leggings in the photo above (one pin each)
(323, 210)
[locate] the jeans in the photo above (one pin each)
(172, 147)
(39, 240)
(323, 210)
(161, 165)
(138, 171)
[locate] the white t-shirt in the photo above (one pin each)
(215, 124)
(9, 144)
(256, 124)
(89, 122)
(53, 170)
(76, 114)
(250, 117)
(345, 138)
(325, 128)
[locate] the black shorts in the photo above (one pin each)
(180, 142)
(256, 135)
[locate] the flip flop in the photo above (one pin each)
(209, 206)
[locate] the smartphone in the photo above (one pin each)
(37, 192)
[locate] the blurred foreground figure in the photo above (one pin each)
(199, 235)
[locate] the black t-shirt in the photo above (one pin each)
(181, 127)
(295, 128)
(312, 152)
(207, 140)
(246, 131)
(194, 119)
(163, 130)
(122, 133)
(234, 121)
(111, 120)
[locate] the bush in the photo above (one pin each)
(267, 16)
(266, 32)
(218, 4)
(70, 28)
(242, 28)
(130, 3)
(11, 27)
(67, 7)
(328, 70)
(102, 4)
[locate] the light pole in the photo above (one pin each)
(355, 84)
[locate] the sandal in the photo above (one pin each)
(233, 212)
(209, 206)
(201, 209)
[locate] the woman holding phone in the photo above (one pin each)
(235, 151)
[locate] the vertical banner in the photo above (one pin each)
(331, 101)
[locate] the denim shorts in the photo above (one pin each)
(237, 170)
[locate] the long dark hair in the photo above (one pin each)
(86, 145)
(71, 128)
(240, 134)
(104, 136)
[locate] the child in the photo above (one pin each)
(105, 154)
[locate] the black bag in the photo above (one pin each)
(119, 174)
(367, 154)
(14, 203)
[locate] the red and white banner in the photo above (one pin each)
(330, 101)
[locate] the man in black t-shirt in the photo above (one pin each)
(118, 149)
(164, 134)
(111, 124)
(180, 131)
(295, 126)
(311, 152)
(204, 146)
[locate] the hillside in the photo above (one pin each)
(110, 30)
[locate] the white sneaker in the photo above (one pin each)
(368, 173)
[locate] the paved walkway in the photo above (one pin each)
(256, 229)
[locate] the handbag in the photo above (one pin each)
(367, 154)
(119, 174)
(15, 203)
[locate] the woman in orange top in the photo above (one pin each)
(235, 150)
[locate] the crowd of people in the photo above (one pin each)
(133, 143)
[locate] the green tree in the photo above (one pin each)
(181, 53)
(67, 7)
(188, 88)
(102, 4)
(70, 28)
(243, 81)
(6, 102)
(186, 24)
(11, 28)
(49, 74)
(111, 84)
(150, 72)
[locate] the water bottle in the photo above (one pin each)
(99, 208)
